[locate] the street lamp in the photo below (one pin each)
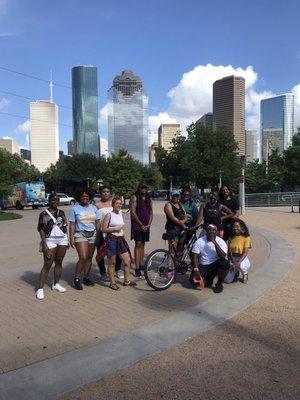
(242, 185)
(171, 182)
(88, 182)
(220, 172)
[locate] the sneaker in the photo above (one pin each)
(77, 284)
(218, 288)
(245, 277)
(40, 294)
(138, 273)
(87, 282)
(120, 274)
(104, 277)
(58, 288)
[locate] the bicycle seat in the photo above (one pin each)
(164, 236)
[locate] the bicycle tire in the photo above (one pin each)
(162, 270)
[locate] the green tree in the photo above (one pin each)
(71, 172)
(123, 173)
(197, 159)
(14, 169)
(291, 158)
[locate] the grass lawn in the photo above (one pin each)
(6, 216)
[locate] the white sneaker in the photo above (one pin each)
(58, 288)
(40, 294)
(120, 274)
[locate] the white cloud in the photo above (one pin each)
(23, 128)
(102, 119)
(4, 103)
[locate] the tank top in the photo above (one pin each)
(179, 213)
(115, 220)
(212, 215)
(143, 212)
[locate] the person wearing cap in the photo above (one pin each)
(176, 220)
(209, 259)
(141, 215)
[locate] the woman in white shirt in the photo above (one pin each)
(105, 206)
(115, 244)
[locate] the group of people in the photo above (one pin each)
(100, 227)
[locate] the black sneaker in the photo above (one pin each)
(77, 284)
(218, 288)
(88, 282)
(138, 273)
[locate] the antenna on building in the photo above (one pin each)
(51, 87)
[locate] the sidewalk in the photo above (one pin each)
(36, 331)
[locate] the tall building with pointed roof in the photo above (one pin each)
(128, 125)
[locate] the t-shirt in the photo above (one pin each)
(238, 244)
(191, 210)
(207, 250)
(46, 223)
(231, 203)
(85, 217)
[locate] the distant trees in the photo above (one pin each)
(14, 169)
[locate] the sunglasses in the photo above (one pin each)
(186, 195)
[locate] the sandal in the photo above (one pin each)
(114, 286)
(129, 283)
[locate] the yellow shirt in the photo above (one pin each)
(239, 243)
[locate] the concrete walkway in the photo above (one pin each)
(199, 313)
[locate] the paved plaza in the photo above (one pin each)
(146, 344)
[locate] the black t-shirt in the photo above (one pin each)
(231, 203)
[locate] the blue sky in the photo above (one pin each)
(169, 44)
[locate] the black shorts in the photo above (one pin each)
(210, 271)
(140, 236)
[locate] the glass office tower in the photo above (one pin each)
(276, 123)
(85, 110)
(128, 125)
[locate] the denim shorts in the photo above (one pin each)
(79, 237)
(112, 247)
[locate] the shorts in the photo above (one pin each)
(245, 265)
(79, 237)
(53, 242)
(140, 236)
(115, 247)
(175, 234)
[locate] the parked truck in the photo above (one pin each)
(25, 194)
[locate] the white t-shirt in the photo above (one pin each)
(115, 220)
(207, 250)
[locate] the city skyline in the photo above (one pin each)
(179, 91)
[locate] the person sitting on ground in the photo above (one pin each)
(141, 219)
(209, 259)
(52, 227)
(85, 223)
(227, 198)
(239, 244)
(212, 212)
(105, 206)
(176, 221)
(115, 244)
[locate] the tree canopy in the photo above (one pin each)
(14, 169)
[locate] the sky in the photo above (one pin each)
(178, 48)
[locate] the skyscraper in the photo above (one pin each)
(70, 146)
(276, 123)
(166, 133)
(128, 125)
(44, 133)
(251, 146)
(85, 110)
(10, 145)
(229, 107)
(206, 120)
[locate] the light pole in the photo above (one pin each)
(242, 185)
(171, 182)
(220, 172)
(88, 182)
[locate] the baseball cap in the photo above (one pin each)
(175, 192)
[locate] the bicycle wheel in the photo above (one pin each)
(160, 269)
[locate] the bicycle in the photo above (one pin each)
(162, 266)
